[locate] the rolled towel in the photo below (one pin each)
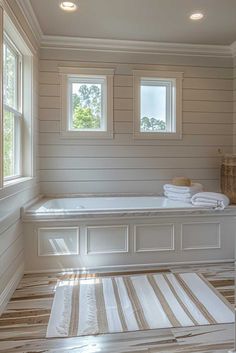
(193, 189)
(210, 199)
(177, 196)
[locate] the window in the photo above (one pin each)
(157, 104)
(17, 94)
(12, 113)
(87, 102)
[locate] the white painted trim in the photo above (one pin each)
(176, 103)
(122, 251)
(154, 249)
(12, 17)
(147, 47)
(200, 248)
(77, 250)
(108, 74)
(10, 288)
(73, 71)
(139, 266)
(158, 74)
(31, 19)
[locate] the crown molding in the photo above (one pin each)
(12, 18)
(31, 19)
(114, 45)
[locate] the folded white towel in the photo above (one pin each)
(210, 199)
(179, 194)
(177, 197)
(193, 189)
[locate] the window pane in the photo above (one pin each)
(86, 106)
(8, 144)
(10, 77)
(153, 108)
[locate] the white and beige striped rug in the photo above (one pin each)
(135, 302)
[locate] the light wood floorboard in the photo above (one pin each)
(24, 322)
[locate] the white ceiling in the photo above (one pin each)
(142, 20)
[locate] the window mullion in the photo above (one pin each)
(12, 110)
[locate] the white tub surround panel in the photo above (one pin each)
(123, 237)
(125, 164)
(58, 241)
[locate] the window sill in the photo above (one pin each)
(158, 135)
(16, 181)
(87, 134)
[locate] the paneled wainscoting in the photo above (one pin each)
(134, 240)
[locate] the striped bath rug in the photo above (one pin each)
(99, 305)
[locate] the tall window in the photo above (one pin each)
(12, 112)
(157, 104)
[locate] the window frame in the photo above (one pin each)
(27, 108)
(16, 110)
(67, 75)
(175, 78)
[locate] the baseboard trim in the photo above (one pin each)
(128, 267)
(7, 293)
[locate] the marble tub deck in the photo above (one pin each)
(24, 322)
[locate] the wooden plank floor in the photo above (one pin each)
(23, 324)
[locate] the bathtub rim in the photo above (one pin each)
(29, 214)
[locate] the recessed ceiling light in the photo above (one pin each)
(68, 6)
(196, 16)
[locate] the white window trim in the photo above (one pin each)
(68, 72)
(165, 75)
(1, 97)
(27, 108)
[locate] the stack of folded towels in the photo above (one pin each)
(182, 189)
(181, 192)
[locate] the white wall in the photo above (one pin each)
(13, 197)
(234, 100)
(124, 164)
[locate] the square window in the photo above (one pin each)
(157, 104)
(87, 103)
(87, 106)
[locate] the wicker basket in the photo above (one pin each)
(228, 177)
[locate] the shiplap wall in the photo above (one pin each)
(13, 197)
(124, 164)
(234, 100)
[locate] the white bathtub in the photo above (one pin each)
(128, 203)
(97, 232)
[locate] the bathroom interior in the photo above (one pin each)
(117, 176)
